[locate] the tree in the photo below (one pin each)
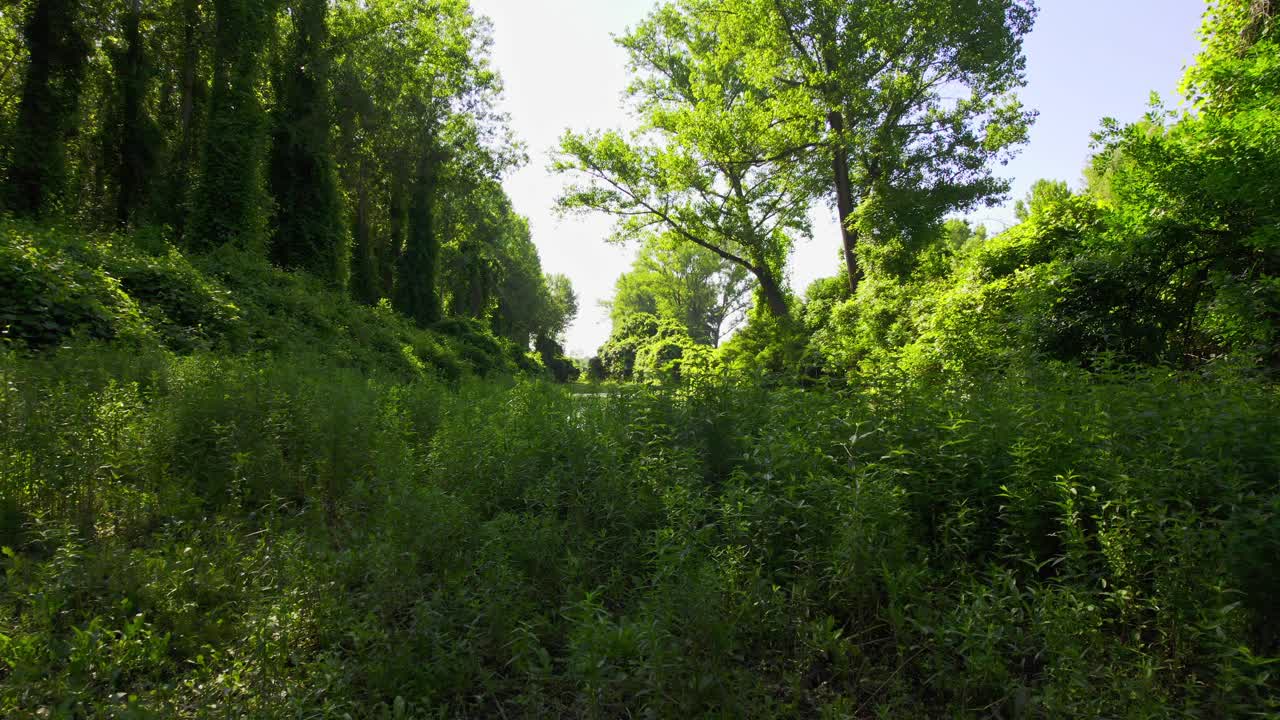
(182, 29)
(521, 295)
(699, 169)
(1042, 194)
(138, 136)
(231, 202)
(416, 294)
(685, 283)
(562, 306)
(906, 104)
(47, 111)
(471, 258)
(559, 312)
(310, 230)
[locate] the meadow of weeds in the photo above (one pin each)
(270, 537)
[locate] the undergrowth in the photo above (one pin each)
(255, 536)
(59, 285)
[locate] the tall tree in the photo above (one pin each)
(50, 98)
(310, 231)
(474, 220)
(700, 168)
(138, 136)
(185, 133)
(231, 201)
(907, 103)
(416, 294)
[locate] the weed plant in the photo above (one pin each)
(261, 536)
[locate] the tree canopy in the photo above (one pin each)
(358, 141)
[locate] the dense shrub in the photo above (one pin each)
(296, 538)
(550, 352)
(59, 284)
(655, 350)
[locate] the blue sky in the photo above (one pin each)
(1086, 60)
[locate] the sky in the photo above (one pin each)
(1086, 60)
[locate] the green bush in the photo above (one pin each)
(49, 292)
(57, 285)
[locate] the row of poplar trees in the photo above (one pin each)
(346, 138)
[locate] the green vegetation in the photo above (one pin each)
(59, 287)
(191, 536)
(287, 428)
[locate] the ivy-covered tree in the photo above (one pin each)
(138, 136)
(309, 231)
(231, 202)
(416, 293)
(57, 54)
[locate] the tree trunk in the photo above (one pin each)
(181, 173)
(844, 200)
(416, 294)
(136, 150)
(478, 291)
(774, 298)
(46, 112)
(364, 269)
(390, 257)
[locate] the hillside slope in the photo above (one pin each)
(60, 286)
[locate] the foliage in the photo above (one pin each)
(646, 348)
(291, 538)
(685, 283)
(63, 286)
(58, 285)
(698, 171)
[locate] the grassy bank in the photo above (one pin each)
(60, 285)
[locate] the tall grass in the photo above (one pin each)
(279, 537)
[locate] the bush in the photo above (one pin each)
(58, 284)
